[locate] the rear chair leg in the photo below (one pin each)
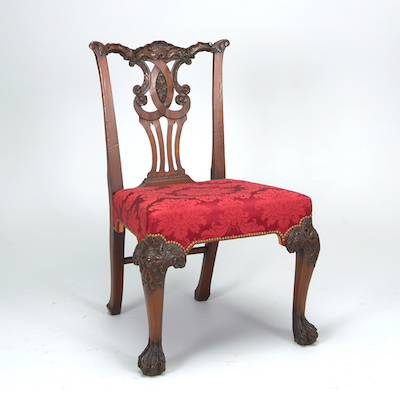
(202, 291)
(117, 241)
(154, 257)
(304, 241)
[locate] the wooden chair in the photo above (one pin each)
(170, 214)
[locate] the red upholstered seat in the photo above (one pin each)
(187, 214)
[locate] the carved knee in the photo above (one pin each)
(154, 256)
(304, 237)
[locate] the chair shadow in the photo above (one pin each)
(212, 325)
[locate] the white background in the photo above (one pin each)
(312, 100)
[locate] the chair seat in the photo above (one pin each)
(192, 213)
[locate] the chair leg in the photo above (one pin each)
(154, 257)
(152, 359)
(202, 292)
(304, 241)
(117, 241)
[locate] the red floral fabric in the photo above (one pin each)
(202, 212)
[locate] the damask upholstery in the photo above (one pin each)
(188, 214)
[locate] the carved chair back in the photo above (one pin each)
(160, 83)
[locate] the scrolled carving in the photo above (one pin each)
(158, 50)
(304, 237)
(220, 46)
(105, 49)
(154, 256)
(183, 90)
(181, 99)
(140, 90)
(98, 48)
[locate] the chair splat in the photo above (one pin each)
(161, 83)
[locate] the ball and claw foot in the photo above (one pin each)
(304, 332)
(152, 360)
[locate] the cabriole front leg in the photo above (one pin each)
(304, 241)
(154, 256)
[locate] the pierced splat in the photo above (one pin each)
(161, 83)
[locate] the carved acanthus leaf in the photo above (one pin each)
(154, 256)
(158, 50)
(304, 237)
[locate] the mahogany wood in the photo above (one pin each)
(202, 291)
(117, 241)
(198, 250)
(304, 241)
(153, 255)
(218, 148)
